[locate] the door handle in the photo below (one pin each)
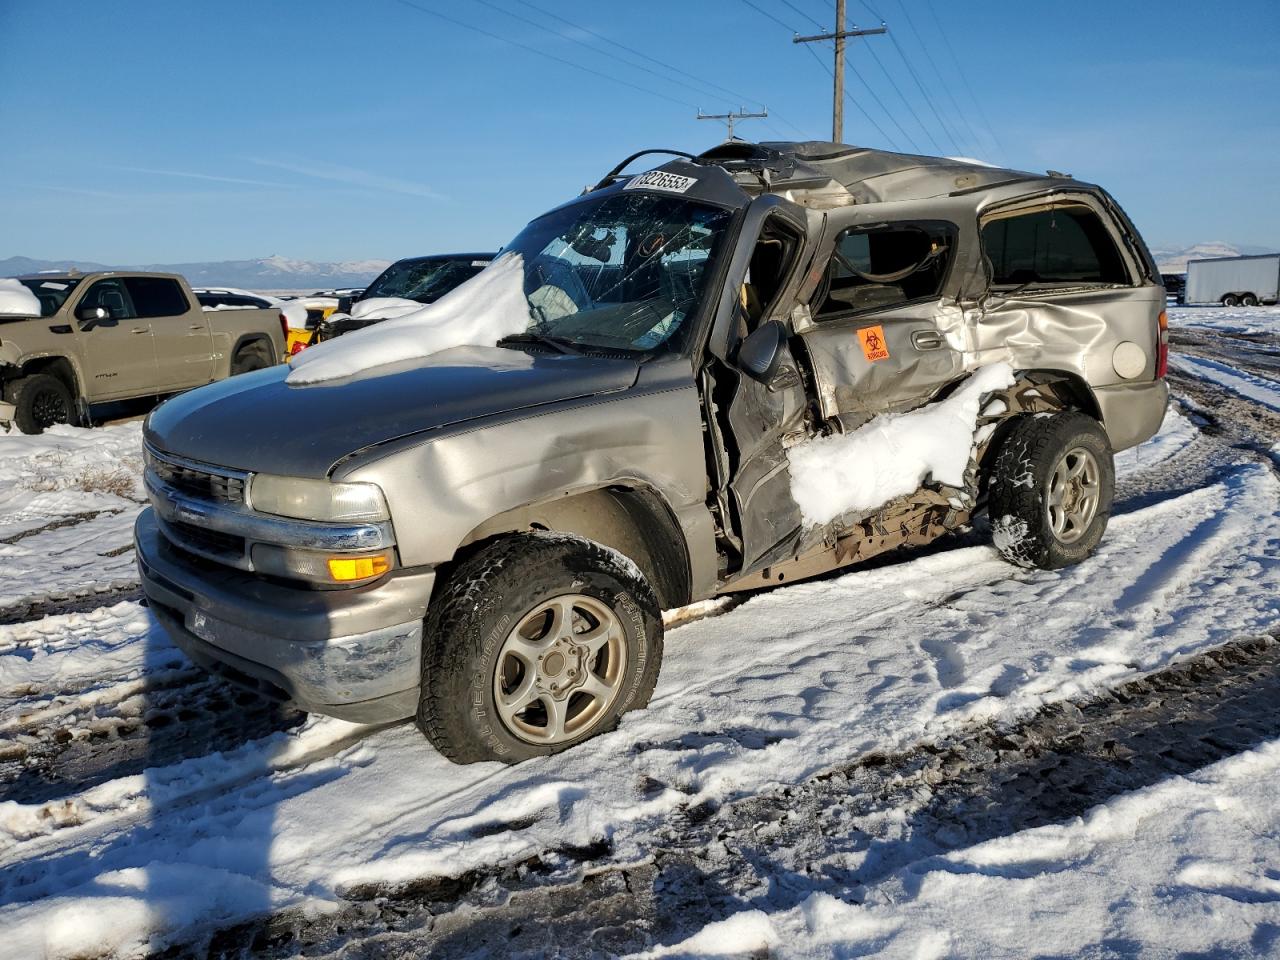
(196, 326)
(140, 330)
(927, 340)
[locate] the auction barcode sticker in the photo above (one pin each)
(658, 180)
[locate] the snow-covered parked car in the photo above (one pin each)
(738, 370)
(402, 288)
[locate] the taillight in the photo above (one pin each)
(1162, 346)
(284, 325)
(298, 347)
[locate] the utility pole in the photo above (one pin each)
(731, 118)
(837, 93)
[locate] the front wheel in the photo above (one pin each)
(1231, 300)
(1051, 490)
(40, 401)
(536, 643)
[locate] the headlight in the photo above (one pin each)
(316, 499)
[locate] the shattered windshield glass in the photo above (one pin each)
(423, 280)
(625, 272)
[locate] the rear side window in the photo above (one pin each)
(1066, 244)
(156, 296)
(884, 265)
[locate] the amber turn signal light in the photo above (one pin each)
(346, 569)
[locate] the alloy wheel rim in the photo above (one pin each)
(1072, 499)
(560, 670)
(48, 408)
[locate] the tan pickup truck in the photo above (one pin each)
(118, 335)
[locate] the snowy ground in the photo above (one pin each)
(144, 805)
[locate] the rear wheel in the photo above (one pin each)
(40, 401)
(1231, 300)
(252, 356)
(1051, 489)
(1248, 300)
(536, 643)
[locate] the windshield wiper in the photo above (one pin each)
(559, 344)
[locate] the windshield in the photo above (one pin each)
(624, 272)
(51, 291)
(423, 280)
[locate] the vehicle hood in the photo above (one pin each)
(258, 422)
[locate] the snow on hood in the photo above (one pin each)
(387, 308)
(17, 300)
(892, 455)
(480, 312)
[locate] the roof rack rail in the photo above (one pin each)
(612, 175)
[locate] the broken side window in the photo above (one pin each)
(1063, 244)
(885, 265)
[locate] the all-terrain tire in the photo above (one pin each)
(485, 599)
(41, 400)
(1019, 491)
(252, 356)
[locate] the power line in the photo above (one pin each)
(862, 110)
(907, 103)
(582, 43)
(816, 23)
(924, 93)
(929, 57)
(946, 87)
(542, 53)
(706, 84)
(982, 114)
(765, 13)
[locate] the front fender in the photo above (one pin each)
(443, 487)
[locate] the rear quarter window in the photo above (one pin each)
(1063, 244)
(156, 296)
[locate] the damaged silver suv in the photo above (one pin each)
(737, 370)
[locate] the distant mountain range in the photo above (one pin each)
(284, 273)
(269, 273)
(1174, 259)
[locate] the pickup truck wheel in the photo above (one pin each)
(1051, 490)
(252, 356)
(535, 644)
(41, 400)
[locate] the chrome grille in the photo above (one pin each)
(195, 482)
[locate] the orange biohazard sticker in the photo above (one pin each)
(874, 346)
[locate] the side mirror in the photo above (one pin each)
(90, 317)
(761, 352)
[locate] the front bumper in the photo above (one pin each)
(354, 653)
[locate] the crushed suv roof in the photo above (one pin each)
(869, 176)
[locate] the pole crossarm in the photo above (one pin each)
(841, 34)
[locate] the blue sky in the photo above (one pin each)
(161, 131)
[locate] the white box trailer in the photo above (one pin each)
(1234, 281)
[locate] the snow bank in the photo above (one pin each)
(17, 300)
(893, 454)
(480, 312)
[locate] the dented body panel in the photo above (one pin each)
(679, 460)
